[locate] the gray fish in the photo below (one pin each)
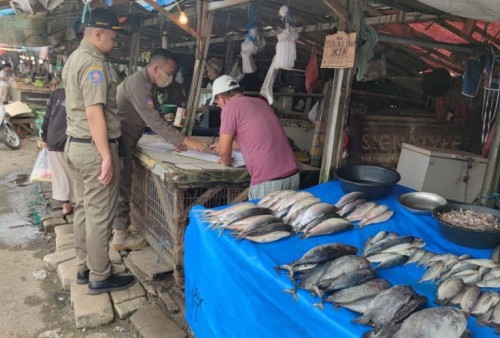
(306, 227)
(459, 267)
(449, 289)
(484, 262)
(378, 219)
(348, 198)
(348, 280)
(359, 305)
(280, 209)
(493, 318)
(426, 256)
(360, 211)
(404, 247)
(415, 256)
(313, 212)
(342, 266)
(274, 197)
(387, 243)
(343, 211)
(394, 261)
(328, 226)
(309, 280)
(385, 305)
(372, 213)
(458, 298)
(246, 213)
(298, 207)
(490, 283)
(269, 237)
(434, 322)
(433, 272)
(381, 257)
(378, 237)
(495, 256)
(254, 222)
(469, 298)
(416, 302)
(354, 293)
(267, 228)
(485, 301)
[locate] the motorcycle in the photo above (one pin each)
(8, 132)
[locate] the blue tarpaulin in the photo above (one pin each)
(232, 289)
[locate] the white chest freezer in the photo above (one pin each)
(453, 174)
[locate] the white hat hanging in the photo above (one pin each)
(286, 51)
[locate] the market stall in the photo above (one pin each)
(166, 185)
(232, 289)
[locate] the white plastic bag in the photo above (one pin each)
(267, 86)
(248, 48)
(42, 172)
(286, 51)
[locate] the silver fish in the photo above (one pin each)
(343, 266)
(487, 263)
(378, 219)
(359, 305)
(426, 256)
(360, 211)
(458, 267)
(266, 228)
(490, 283)
(394, 261)
(269, 237)
(244, 214)
(372, 213)
(348, 198)
(415, 256)
(350, 207)
(448, 290)
(298, 207)
(256, 221)
(469, 298)
(309, 281)
(434, 322)
(328, 226)
(273, 197)
(313, 212)
(485, 301)
(493, 318)
(458, 298)
(354, 293)
(387, 243)
(404, 247)
(348, 280)
(282, 207)
(377, 238)
(433, 273)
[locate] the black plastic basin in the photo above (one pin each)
(375, 181)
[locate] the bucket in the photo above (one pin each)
(168, 109)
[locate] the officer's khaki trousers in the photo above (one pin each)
(127, 148)
(95, 207)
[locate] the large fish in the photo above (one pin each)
(469, 298)
(434, 322)
(485, 301)
(328, 226)
(354, 293)
(348, 198)
(385, 306)
(359, 305)
(321, 253)
(449, 289)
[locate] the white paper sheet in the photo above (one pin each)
(238, 160)
(157, 146)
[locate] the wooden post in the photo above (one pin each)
(134, 51)
(341, 92)
(492, 173)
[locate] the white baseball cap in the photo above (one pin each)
(223, 84)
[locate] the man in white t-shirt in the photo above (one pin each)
(5, 76)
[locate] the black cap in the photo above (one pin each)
(105, 19)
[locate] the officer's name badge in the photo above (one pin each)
(96, 76)
(149, 103)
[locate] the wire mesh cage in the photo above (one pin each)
(160, 211)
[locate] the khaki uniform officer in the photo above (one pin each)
(136, 105)
(92, 150)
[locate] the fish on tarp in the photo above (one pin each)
(346, 209)
(347, 280)
(484, 262)
(272, 236)
(342, 266)
(267, 233)
(258, 221)
(406, 248)
(445, 322)
(415, 256)
(433, 272)
(459, 267)
(377, 219)
(309, 280)
(361, 210)
(245, 214)
(374, 239)
(449, 289)
(485, 301)
(299, 207)
(321, 253)
(387, 260)
(328, 226)
(469, 298)
(373, 212)
(216, 216)
(306, 227)
(349, 198)
(359, 305)
(492, 318)
(273, 197)
(367, 289)
(387, 243)
(313, 212)
(281, 209)
(385, 305)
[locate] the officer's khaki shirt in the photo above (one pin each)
(136, 106)
(89, 81)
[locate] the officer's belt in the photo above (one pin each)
(89, 140)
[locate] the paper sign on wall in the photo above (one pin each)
(339, 50)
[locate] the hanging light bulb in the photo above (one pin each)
(183, 19)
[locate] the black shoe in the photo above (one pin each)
(82, 277)
(112, 283)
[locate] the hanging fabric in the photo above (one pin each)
(267, 86)
(491, 100)
(248, 48)
(312, 71)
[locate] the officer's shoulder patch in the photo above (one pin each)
(96, 76)
(95, 67)
(149, 102)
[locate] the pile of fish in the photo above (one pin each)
(305, 213)
(249, 221)
(333, 273)
(356, 209)
(470, 219)
(460, 278)
(385, 250)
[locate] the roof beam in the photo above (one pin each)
(425, 43)
(394, 18)
(226, 4)
(339, 10)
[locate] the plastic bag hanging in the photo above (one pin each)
(42, 172)
(286, 51)
(267, 87)
(312, 71)
(248, 48)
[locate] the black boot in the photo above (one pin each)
(112, 283)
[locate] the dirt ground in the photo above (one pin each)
(32, 307)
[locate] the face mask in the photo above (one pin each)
(163, 80)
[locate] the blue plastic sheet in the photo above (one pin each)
(232, 289)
